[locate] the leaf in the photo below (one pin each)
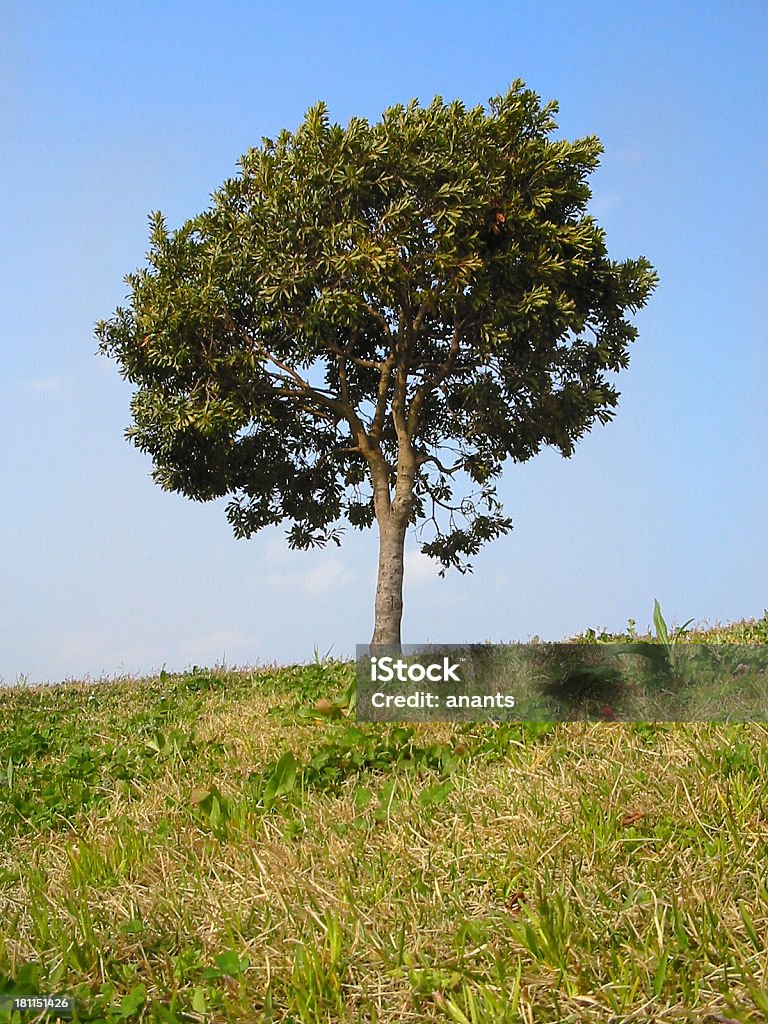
(198, 1001)
(362, 798)
(229, 962)
(351, 695)
(282, 780)
(134, 1001)
(27, 979)
(156, 743)
(682, 630)
(166, 1014)
(435, 794)
(216, 814)
(659, 623)
(450, 1008)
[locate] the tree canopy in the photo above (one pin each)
(369, 320)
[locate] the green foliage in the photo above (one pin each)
(318, 975)
(60, 758)
(281, 780)
(131, 1003)
(357, 302)
(354, 750)
(480, 1004)
(228, 965)
(662, 632)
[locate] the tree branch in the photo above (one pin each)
(347, 353)
(379, 317)
(446, 470)
(381, 399)
(434, 381)
(424, 308)
(342, 408)
(341, 364)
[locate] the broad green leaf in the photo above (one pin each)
(282, 779)
(134, 1001)
(437, 794)
(228, 962)
(659, 623)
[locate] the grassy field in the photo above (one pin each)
(208, 847)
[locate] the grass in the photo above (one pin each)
(208, 847)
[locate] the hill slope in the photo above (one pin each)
(206, 847)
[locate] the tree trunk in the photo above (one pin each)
(389, 585)
(392, 515)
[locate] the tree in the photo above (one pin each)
(369, 321)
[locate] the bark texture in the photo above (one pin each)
(389, 586)
(392, 516)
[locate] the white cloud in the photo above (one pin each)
(329, 575)
(325, 577)
(420, 569)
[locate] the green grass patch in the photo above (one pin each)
(233, 846)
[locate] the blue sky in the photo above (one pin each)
(109, 111)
